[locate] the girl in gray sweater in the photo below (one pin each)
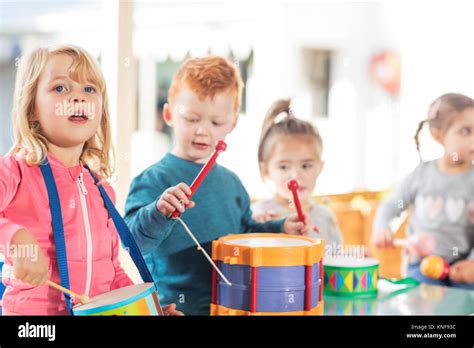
(441, 194)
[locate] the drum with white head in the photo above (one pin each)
(270, 274)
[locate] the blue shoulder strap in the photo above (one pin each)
(58, 229)
(125, 235)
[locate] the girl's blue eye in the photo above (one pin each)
(192, 120)
(59, 89)
(217, 124)
(465, 131)
(283, 167)
(307, 166)
(89, 89)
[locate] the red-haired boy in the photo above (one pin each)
(204, 102)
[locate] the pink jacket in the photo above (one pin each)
(92, 242)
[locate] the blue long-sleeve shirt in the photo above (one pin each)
(181, 272)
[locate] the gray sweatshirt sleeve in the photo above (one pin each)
(396, 203)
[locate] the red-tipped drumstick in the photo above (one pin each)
(293, 186)
(220, 147)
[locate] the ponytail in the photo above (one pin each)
(417, 141)
(277, 108)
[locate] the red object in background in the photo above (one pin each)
(385, 70)
(220, 147)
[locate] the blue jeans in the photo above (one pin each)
(413, 271)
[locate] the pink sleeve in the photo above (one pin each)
(10, 178)
(7, 231)
(121, 278)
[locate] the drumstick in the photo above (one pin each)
(82, 298)
(293, 186)
(220, 147)
(204, 251)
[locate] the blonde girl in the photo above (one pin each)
(61, 123)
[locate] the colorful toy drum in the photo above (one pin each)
(139, 299)
(350, 277)
(271, 274)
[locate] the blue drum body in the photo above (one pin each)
(270, 275)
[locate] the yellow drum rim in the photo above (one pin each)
(304, 255)
(218, 310)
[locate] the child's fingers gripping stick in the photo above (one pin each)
(293, 186)
(308, 225)
(30, 270)
(293, 225)
(175, 199)
(182, 192)
(29, 267)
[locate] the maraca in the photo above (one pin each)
(434, 267)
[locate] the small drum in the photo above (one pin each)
(139, 299)
(350, 276)
(271, 274)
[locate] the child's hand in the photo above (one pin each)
(266, 216)
(175, 198)
(462, 272)
(293, 225)
(170, 311)
(383, 239)
(30, 265)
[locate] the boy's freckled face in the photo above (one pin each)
(199, 124)
(69, 112)
(294, 158)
